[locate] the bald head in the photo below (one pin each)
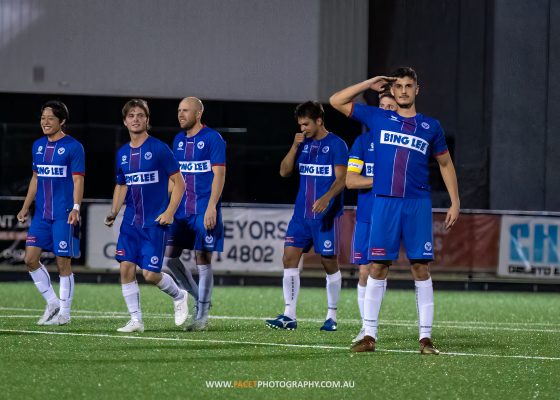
(190, 112)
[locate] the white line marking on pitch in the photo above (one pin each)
(482, 326)
(306, 346)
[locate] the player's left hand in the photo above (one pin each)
(452, 216)
(165, 219)
(320, 205)
(74, 217)
(210, 218)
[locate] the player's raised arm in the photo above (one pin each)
(29, 198)
(322, 203)
(216, 192)
(342, 100)
(166, 217)
(449, 176)
(119, 194)
(287, 164)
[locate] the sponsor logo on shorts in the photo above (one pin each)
(327, 244)
(315, 170)
(148, 155)
(208, 239)
(123, 160)
(154, 260)
(200, 145)
(428, 246)
(119, 252)
(425, 125)
(325, 149)
(403, 140)
(61, 151)
(31, 239)
(180, 146)
(52, 171)
(62, 244)
(357, 255)
(289, 239)
(195, 167)
(39, 150)
(142, 178)
(378, 252)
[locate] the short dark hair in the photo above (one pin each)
(402, 72)
(387, 93)
(59, 110)
(310, 109)
(130, 104)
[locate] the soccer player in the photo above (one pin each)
(144, 167)
(359, 175)
(57, 186)
(404, 141)
(320, 157)
(198, 226)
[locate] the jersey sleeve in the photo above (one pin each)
(78, 161)
(168, 161)
(121, 180)
(356, 157)
(440, 146)
(218, 151)
(362, 113)
(340, 156)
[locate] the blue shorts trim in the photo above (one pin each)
(320, 233)
(57, 236)
(395, 219)
(144, 247)
(189, 233)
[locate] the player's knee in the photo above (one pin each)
(363, 275)
(151, 277)
(379, 269)
(203, 257)
(31, 262)
(420, 270)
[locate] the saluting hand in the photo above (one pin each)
(381, 83)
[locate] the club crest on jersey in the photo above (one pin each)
(62, 244)
(123, 160)
(315, 170)
(200, 145)
(425, 125)
(154, 260)
(39, 150)
(61, 151)
(325, 149)
(148, 155)
(403, 140)
(180, 146)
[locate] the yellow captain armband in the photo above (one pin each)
(355, 165)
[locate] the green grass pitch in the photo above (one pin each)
(494, 346)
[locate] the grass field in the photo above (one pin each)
(494, 346)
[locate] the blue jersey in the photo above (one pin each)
(55, 163)
(146, 171)
(197, 155)
(403, 147)
(361, 160)
(315, 161)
